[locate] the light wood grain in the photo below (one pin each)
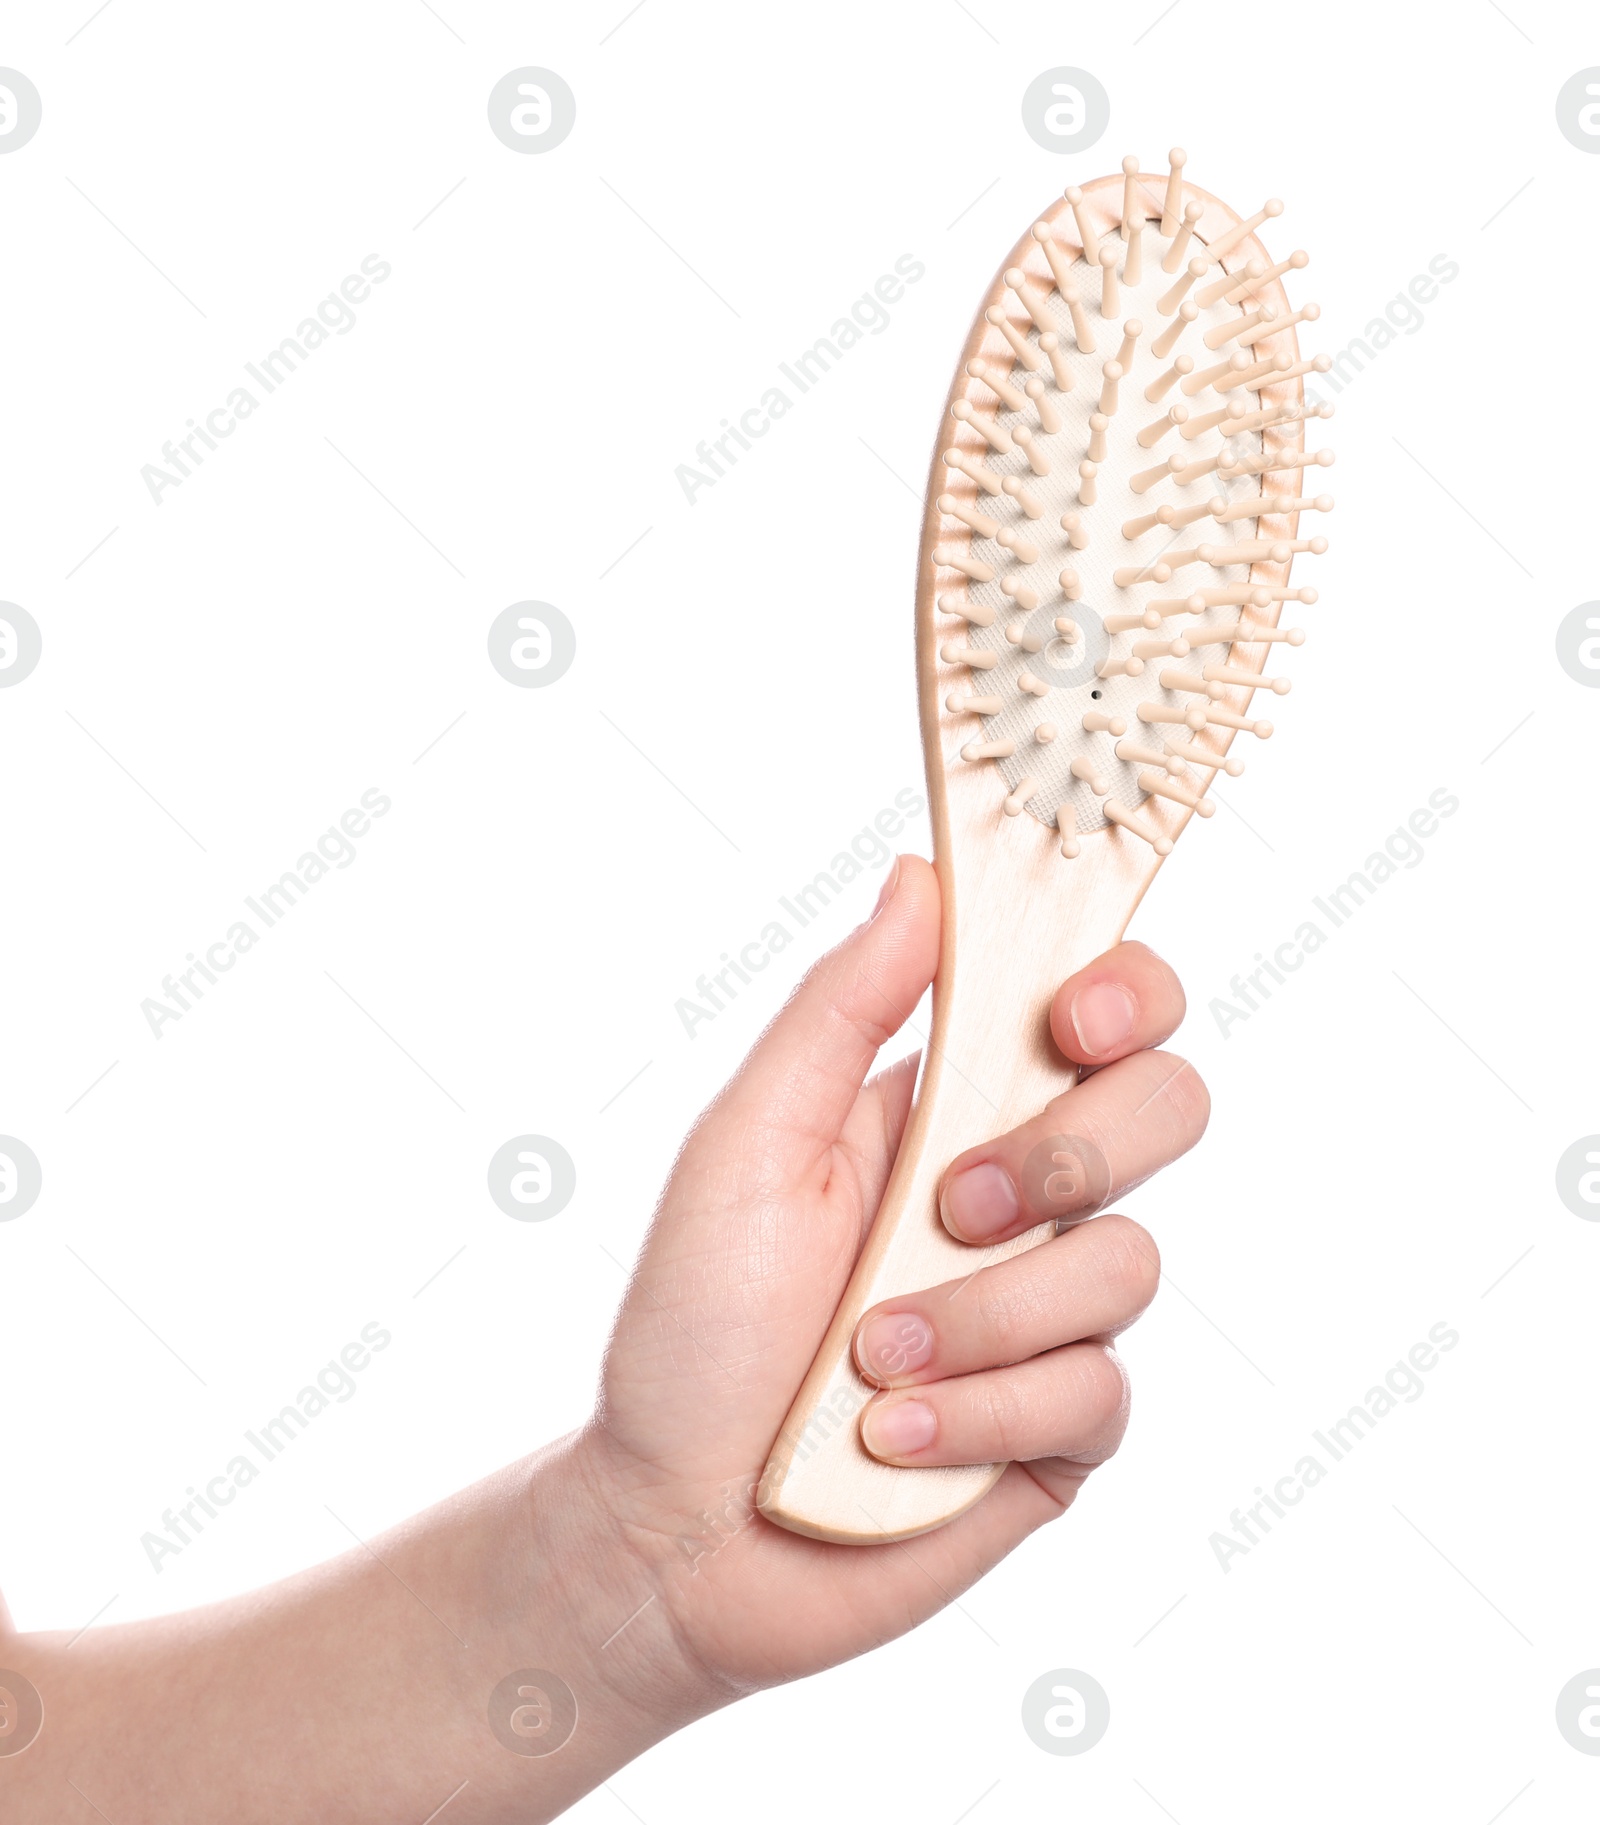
(1018, 918)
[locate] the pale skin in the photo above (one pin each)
(627, 1559)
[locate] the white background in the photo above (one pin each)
(276, 637)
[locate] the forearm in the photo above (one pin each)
(362, 1690)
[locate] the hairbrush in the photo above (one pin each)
(1111, 519)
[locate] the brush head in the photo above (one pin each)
(1123, 480)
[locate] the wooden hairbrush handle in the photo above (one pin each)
(991, 1064)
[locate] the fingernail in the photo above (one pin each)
(979, 1202)
(1102, 1016)
(897, 1428)
(886, 892)
(893, 1344)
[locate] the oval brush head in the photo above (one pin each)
(1114, 509)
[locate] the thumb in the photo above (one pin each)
(782, 1113)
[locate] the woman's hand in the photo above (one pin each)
(753, 1242)
(506, 1651)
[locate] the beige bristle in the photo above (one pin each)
(1161, 786)
(1119, 668)
(1220, 288)
(1067, 823)
(1192, 472)
(1274, 367)
(1192, 717)
(966, 703)
(1082, 333)
(1110, 374)
(1163, 606)
(1132, 330)
(1186, 516)
(1234, 328)
(984, 476)
(1045, 733)
(1023, 594)
(1180, 244)
(1219, 718)
(1277, 503)
(1060, 266)
(1032, 303)
(1167, 341)
(1170, 299)
(988, 750)
(1016, 800)
(1235, 364)
(1096, 722)
(1229, 417)
(1307, 313)
(1234, 595)
(1161, 649)
(994, 434)
(1146, 479)
(1151, 757)
(1250, 681)
(1164, 382)
(1090, 774)
(1026, 638)
(1021, 347)
(1110, 299)
(1099, 424)
(1137, 528)
(1012, 485)
(1071, 585)
(1245, 633)
(1171, 678)
(978, 613)
(1128, 574)
(1086, 231)
(1208, 758)
(1131, 205)
(996, 382)
(1023, 550)
(1035, 687)
(1287, 459)
(1050, 419)
(1077, 533)
(1069, 631)
(1126, 820)
(979, 659)
(959, 509)
(1177, 158)
(1313, 364)
(1133, 265)
(1146, 618)
(1171, 420)
(1087, 492)
(1289, 413)
(1225, 244)
(1060, 367)
(1038, 462)
(968, 566)
(1239, 288)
